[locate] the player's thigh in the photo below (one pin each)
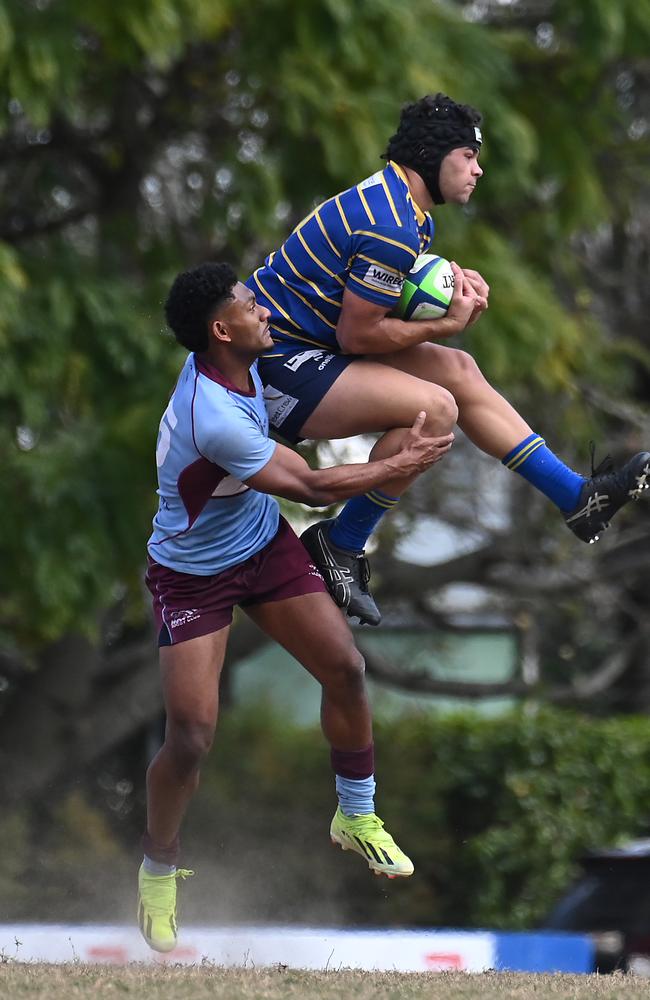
(371, 396)
(314, 630)
(190, 673)
(448, 367)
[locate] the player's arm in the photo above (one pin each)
(287, 474)
(364, 327)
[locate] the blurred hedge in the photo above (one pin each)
(494, 812)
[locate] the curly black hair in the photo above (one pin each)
(429, 129)
(193, 298)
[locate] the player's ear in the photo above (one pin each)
(219, 330)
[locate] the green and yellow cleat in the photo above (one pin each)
(157, 908)
(365, 834)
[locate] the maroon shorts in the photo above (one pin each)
(186, 606)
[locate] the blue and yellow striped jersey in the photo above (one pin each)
(366, 238)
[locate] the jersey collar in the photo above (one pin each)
(419, 214)
(216, 376)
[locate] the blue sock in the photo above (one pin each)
(356, 795)
(359, 518)
(157, 867)
(544, 470)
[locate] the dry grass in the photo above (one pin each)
(76, 981)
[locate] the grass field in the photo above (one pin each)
(77, 981)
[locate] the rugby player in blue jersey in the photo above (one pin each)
(218, 540)
(341, 364)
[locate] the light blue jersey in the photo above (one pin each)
(212, 438)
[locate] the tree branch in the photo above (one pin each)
(622, 409)
(582, 689)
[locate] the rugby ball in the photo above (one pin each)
(427, 289)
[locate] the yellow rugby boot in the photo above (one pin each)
(157, 908)
(365, 834)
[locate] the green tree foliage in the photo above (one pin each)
(141, 138)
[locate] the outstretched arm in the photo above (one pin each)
(288, 475)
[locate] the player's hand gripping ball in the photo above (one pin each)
(427, 289)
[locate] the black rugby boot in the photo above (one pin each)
(346, 574)
(605, 492)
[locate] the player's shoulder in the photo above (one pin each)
(218, 419)
(384, 198)
(185, 383)
(388, 243)
(212, 394)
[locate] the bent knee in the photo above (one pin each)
(347, 671)
(441, 411)
(189, 742)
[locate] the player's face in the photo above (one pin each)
(248, 322)
(459, 174)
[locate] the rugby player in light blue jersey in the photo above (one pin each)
(341, 364)
(219, 540)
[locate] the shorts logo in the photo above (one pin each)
(314, 571)
(383, 278)
(184, 617)
(278, 405)
(294, 363)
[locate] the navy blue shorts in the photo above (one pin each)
(295, 380)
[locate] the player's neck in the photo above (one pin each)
(418, 189)
(234, 368)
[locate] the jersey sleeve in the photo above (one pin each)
(381, 258)
(232, 438)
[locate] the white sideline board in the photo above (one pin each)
(300, 948)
